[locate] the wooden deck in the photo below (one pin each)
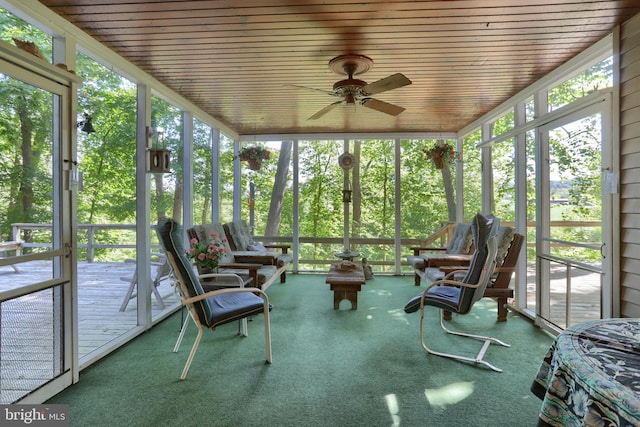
(30, 334)
(584, 300)
(101, 292)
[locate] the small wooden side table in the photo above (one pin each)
(345, 285)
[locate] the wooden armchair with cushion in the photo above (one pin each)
(245, 248)
(457, 252)
(438, 263)
(498, 287)
(259, 268)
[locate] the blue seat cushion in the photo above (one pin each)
(444, 297)
(226, 308)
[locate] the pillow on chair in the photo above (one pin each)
(256, 247)
(505, 236)
(461, 240)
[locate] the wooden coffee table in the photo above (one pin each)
(345, 285)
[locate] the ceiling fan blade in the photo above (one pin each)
(391, 82)
(383, 107)
(326, 92)
(325, 110)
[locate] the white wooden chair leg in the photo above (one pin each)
(132, 288)
(242, 327)
(182, 331)
(129, 294)
(267, 331)
(193, 352)
(155, 291)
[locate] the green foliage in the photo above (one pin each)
(599, 76)
(202, 172)
(13, 27)
(504, 180)
(105, 157)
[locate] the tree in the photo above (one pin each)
(279, 188)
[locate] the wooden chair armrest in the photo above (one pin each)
(10, 246)
(241, 266)
(256, 258)
(448, 269)
(461, 261)
(416, 250)
(252, 268)
(240, 282)
(284, 248)
(504, 269)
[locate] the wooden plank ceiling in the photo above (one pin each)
(240, 60)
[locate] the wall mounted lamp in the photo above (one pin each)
(85, 125)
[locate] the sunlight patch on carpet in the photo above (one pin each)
(392, 405)
(399, 315)
(449, 394)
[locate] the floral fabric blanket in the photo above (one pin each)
(591, 376)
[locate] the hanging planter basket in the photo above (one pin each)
(439, 163)
(254, 164)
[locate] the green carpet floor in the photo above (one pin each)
(360, 367)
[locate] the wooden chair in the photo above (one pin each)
(11, 246)
(498, 287)
(246, 249)
(460, 247)
(259, 267)
(162, 272)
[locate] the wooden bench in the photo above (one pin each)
(11, 246)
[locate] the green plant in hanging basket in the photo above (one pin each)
(441, 154)
(254, 155)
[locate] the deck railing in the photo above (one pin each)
(89, 239)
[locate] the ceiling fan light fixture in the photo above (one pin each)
(350, 98)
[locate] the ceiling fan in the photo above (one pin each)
(354, 91)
